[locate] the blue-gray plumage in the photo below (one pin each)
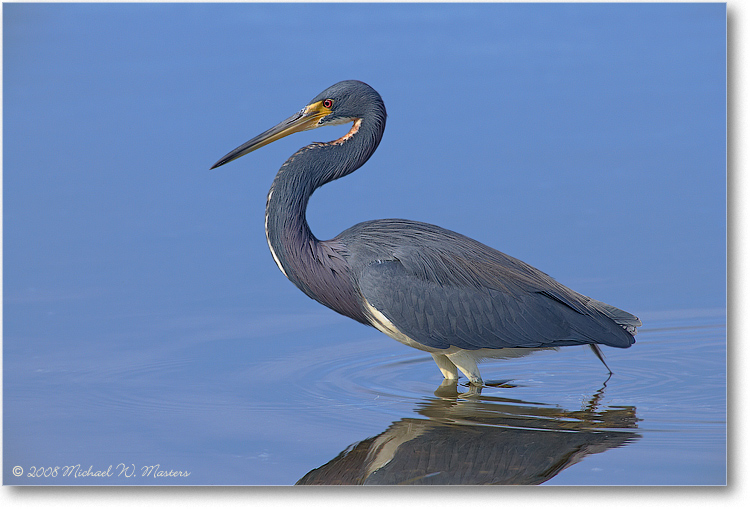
(425, 286)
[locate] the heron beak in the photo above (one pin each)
(303, 120)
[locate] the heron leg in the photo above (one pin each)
(600, 355)
(465, 361)
(447, 368)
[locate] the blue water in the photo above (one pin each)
(147, 332)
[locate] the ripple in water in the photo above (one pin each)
(383, 376)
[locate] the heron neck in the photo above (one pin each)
(317, 268)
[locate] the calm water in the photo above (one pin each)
(147, 332)
(332, 409)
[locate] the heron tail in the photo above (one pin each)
(626, 320)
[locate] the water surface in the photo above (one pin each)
(209, 408)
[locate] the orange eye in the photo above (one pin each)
(328, 103)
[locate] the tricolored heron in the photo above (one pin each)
(425, 286)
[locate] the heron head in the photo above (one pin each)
(343, 102)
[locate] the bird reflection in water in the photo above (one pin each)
(473, 439)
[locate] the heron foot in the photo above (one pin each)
(449, 390)
(465, 361)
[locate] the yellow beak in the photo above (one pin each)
(304, 120)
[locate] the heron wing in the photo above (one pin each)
(442, 289)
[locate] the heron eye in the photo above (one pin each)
(328, 103)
